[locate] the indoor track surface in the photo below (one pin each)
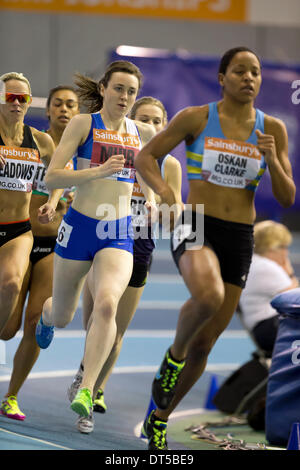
(50, 423)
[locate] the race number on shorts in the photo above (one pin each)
(181, 233)
(64, 233)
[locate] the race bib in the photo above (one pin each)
(230, 163)
(20, 168)
(139, 213)
(109, 142)
(38, 183)
(64, 233)
(127, 175)
(181, 233)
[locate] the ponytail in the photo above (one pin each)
(88, 92)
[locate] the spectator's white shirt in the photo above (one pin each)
(266, 279)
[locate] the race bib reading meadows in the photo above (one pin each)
(20, 168)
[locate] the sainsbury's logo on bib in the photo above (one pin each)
(230, 163)
(243, 149)
(113, 137)
(20, 153)
(137, 192)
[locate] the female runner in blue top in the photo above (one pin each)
(229, 144)
(151, 111)
(97, 228)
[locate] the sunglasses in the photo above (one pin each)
(21, 97)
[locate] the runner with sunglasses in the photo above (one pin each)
(21, 149)
(62, 105)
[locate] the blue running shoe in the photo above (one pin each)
(43, 334)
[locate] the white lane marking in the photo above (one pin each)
(165, 279)
(117, 370)
(75, 334)
(35, 439)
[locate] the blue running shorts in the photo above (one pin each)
(80, 237)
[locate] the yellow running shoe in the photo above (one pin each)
(99, 404)
(9, 407)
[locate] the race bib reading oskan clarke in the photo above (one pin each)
(230, 163)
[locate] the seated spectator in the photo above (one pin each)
(270, 273)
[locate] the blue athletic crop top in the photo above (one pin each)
(102, 143)
(226, 162)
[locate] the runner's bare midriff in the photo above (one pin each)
(14, 206)
(232, 204)
(103, 199)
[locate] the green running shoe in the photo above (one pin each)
(82, 403)
(165, 381)
(156, 432)
(99, 404)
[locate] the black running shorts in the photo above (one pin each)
(10, 231)
(231, 242)
(42, 246)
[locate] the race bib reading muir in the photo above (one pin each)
(230, 163)
(20, 168)
(107, 143)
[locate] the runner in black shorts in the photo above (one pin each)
(228, 146)
(230, 241)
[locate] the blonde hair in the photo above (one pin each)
(148, 100)
(269, 235)
(15, 76)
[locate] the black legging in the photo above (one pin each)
(265, 333)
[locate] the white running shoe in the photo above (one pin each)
(85, 425)
(74, 387)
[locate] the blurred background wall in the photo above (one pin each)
(48, 40)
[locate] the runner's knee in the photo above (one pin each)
(209, 300)
(106, 307)
(11, 328)
(31, 320)
(8, 333)
(10, 288)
